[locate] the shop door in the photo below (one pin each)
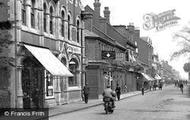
(33, 85)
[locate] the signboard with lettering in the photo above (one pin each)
(108, 55)
(120, 56)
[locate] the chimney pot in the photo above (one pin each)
(107, 14)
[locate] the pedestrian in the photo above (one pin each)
(181, 87)
(125, 87)
(35, 98)
(118, 91)
(142, 90)
(86, 90)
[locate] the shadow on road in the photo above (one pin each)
(188, 117)
(188, 92)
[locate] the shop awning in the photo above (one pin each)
(157, 77)
(49, 61)
(147, 77)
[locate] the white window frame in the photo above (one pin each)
(49, 87)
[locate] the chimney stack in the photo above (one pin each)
(97, 7)
(107, 14)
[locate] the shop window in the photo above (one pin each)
(127, 55)
(73, 67)
(24, 12)
(49, 85)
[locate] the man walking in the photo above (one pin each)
(181, 87)
(86, 92)
(118, 91)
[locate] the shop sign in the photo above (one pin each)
(120, 56)
(108, 55)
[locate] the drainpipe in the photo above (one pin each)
(15, 32)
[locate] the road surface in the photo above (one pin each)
(166, 104)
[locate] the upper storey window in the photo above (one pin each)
(78, 31)
(24, 12)
(69, 32)
(51, 20)
(45, 20)
(62, 23)
(32, 14)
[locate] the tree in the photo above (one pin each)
(184, 35)
(186, 67)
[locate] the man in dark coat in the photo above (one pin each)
(118, 91)
(86, 93)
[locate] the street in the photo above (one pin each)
(168, 104)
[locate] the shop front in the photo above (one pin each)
(41, 76)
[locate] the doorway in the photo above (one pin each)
(32, 83)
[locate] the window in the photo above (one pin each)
(62, 24)
(73, 67)
(49, 84)
(32, 14)
(64, 61)
(24, 12)
(51, 20)
(69, 27)
(127, 55)
(78, 31)
(45, 20)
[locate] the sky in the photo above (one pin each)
(124, 12)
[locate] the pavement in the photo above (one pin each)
(81, 105)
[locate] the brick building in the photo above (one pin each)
(47, 36)
(145, 53)
(101, 36)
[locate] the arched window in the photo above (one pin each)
(24, 12)
(51, 20)
(32, 14)
(62, 24)
(78, 31)
(69, 20)
(45, 20)
(73, 67)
